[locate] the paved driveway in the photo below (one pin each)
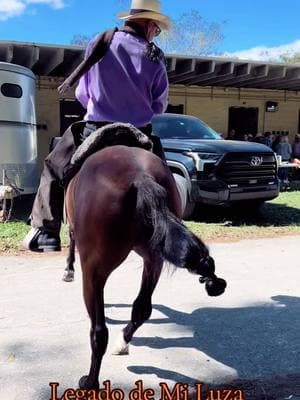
(250, 332)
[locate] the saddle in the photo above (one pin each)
(111, 135)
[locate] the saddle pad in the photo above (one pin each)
(111, 135)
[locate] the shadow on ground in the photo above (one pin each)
(284, 387)
(28, 367)
(259, 342)
(269, 214)
(35, 364)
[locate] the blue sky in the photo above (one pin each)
(269, 24)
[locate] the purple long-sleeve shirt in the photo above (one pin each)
(125, 86)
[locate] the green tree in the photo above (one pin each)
(80, 40)
(190, 34)
(294, 59)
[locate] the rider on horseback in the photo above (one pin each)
(129, 85)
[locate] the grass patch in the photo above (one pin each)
(13, 233)
(278, 217)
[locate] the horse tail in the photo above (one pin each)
(152, 211)
(166, 234)
(170, 239)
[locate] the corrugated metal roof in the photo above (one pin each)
(60, 61)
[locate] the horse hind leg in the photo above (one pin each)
(69, 272)
(93, 296)
(142, 306)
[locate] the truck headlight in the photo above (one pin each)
(209, 156)
(203, 158)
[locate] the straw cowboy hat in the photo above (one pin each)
(146, 9)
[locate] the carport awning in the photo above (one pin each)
(59, 61)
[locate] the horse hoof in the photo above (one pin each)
(68, 276)
(84, 383)
(121, 348)
(215, 287)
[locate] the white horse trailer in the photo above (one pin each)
(18, 137)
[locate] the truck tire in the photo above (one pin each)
(188, 206)
(189, 210)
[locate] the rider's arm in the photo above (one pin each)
(160, 90)
(82, 90)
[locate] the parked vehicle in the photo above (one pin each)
(18, 150)
(214, 171)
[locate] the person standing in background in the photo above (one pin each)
(296, 146)
(284, 149)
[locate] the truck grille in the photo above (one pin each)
(244, 169)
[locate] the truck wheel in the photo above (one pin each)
(188, 206)
(189, 210)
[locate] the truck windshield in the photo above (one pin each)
(182, 127)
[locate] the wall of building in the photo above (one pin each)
(48, 114)
(212, 106)
(209, 104)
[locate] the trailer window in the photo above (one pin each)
(11, 90)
